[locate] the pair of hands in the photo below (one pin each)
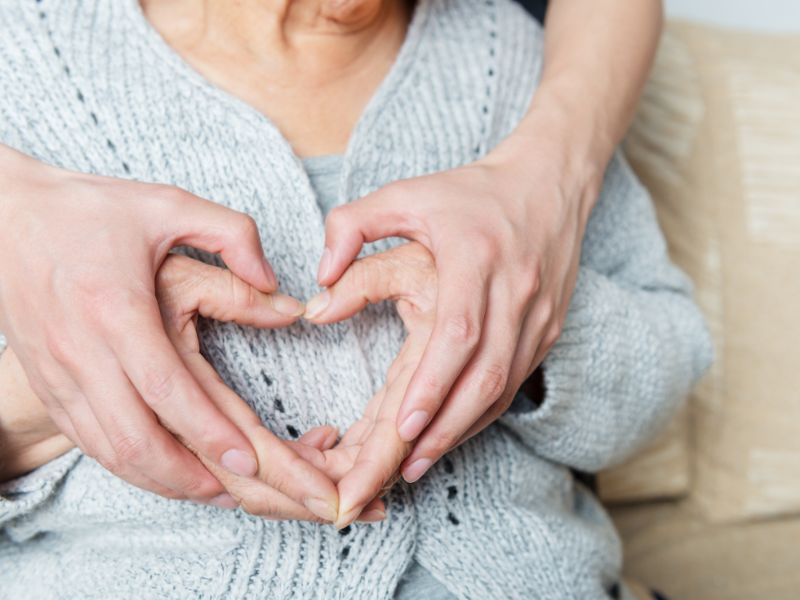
(295, 480)
(78, 306)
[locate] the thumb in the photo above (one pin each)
(384, 213)
(208, 226)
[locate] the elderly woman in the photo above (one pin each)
(398, 92)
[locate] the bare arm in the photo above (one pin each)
(598, 54)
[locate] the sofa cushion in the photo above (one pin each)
(659, 145)
(728, 197)
(670, 547)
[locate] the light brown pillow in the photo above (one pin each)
(730, 207)
(659, 146)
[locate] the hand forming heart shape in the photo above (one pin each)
(295, 479)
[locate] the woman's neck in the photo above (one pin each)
(311, 66)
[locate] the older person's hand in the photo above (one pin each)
(368, 458)
(79, 258)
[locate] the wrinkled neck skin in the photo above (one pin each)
(311, 66)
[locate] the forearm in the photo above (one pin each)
(597, 57)
(28, 437)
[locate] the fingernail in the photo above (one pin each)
(273, 281)
(413, 425)
(372, 516)
(224, 500)
(317, 305)
(324, 265)
(239, 463)
(286, 305)
(350, 516)
(322, 509)
(417, 469)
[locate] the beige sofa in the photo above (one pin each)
(712, 510)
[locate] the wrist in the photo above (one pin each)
(556, 141)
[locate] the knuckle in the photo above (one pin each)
(548, 309)
(337, 217)
(132, 448)
(59, 345)
(484, 249)
(280, 478)
(443, 441)
(259, 504)
(462, 330)
(552, 335)
(194, 487)
(433, 387)
(416, 255)
(171, 271)
(111, 463)
(491, 382)
(240, 296)
(158, 387)
(248, 223)
(169, 194)
(244, 226)
(531, 284)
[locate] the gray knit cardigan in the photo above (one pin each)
(88, 85)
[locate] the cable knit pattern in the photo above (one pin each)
(88, 85)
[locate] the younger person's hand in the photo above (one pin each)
(80, 254)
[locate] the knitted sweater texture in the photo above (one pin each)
(88, 85)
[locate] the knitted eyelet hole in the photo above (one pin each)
(279, 405)
(614, 591)
(345, 551)
(490, 73)
(345, 530)
(267, 379)
(452, 492)
(293, 432)
(79, 93)
(448, 466)
(453, 519)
